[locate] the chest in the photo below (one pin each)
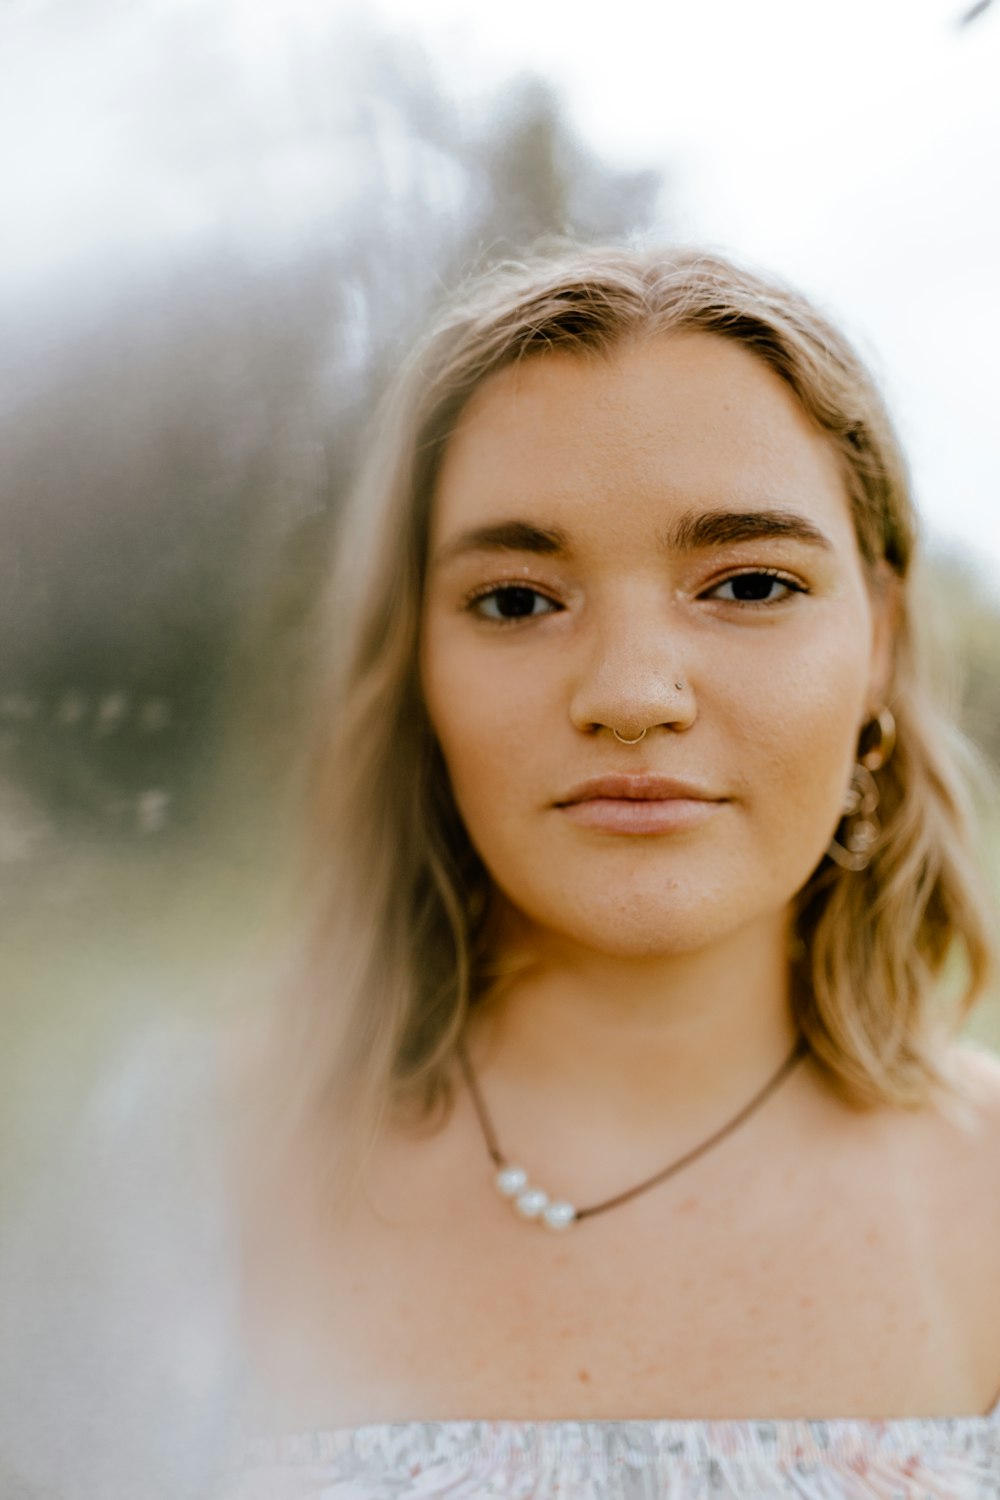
(740, 1292)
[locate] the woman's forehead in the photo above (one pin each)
(674, 422)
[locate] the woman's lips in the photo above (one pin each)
(640, 815)
(639, 803)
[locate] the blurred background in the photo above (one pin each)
(222, 221)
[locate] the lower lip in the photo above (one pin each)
(621, 815)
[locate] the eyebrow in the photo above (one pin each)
(717, 528)
(694, 531)
(506, 536)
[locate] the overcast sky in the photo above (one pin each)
(850, 146)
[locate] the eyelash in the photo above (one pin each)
(480, 595)
(775, 574)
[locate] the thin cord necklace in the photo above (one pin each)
(556, 1213)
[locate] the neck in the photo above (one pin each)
(635, 1044)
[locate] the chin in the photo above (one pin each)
(649, 939)
(640, 945)
(641, 927)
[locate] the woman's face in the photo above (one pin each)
(655, 540)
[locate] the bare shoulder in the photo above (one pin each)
(956, 1141)
(977, 1074)
(972, 1202)
(978, 1137)
(949, 1153)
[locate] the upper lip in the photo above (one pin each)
(637, 788)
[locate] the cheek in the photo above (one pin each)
(800, 737)
(488, 717)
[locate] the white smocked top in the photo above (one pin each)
(950, 1458)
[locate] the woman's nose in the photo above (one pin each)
(633, 675)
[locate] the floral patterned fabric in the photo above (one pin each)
(917, 1459)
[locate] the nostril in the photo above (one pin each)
(627, 697)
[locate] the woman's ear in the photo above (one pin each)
(885, 592)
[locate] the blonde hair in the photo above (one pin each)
(392, 895)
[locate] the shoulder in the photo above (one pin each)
(982, 1067)
(934, 1171)
(970, 1150)
(955, 1173)
(944, 1155)
(958, 1139)
(976, 1072)
(976, 1133)
(943, 1160)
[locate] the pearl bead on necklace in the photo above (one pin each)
(534, 1203)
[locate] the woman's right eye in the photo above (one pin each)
(512, 601)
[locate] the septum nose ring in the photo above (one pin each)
(679, 687)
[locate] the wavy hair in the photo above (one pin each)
(391, 942)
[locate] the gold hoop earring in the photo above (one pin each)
(876, 756)
(855, 850)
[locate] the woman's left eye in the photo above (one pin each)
(511, 601)
(757, 587)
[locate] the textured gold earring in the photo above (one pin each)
(854, 849)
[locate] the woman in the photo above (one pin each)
(638, 864)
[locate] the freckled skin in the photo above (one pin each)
(773, 696)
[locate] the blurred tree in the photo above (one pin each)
(175, 452)
(540, 180)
